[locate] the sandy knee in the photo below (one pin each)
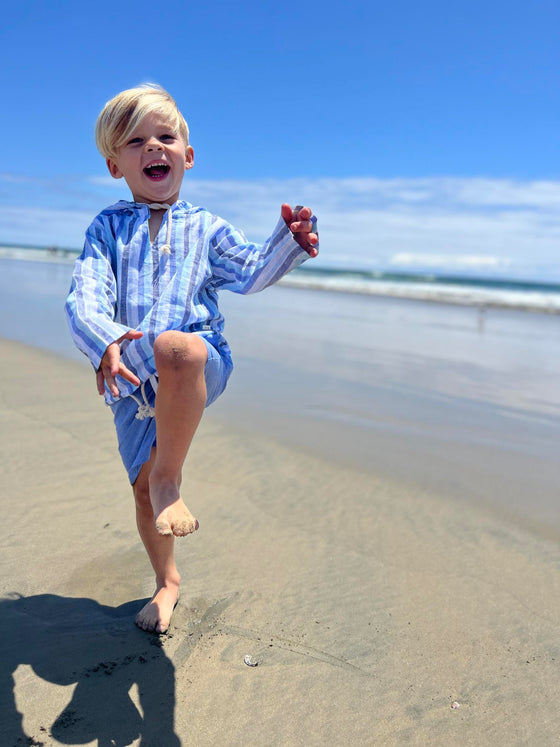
(175, 350)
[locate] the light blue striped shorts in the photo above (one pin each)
(134, 421)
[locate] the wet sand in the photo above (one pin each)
(373, 593)
(463, 407)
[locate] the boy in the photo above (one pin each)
(143, 307)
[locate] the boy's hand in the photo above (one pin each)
(111, 365)
(302, 223)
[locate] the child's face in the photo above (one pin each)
(153, 161)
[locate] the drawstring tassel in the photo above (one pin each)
(145, 410)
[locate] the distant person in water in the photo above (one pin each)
(143, 306)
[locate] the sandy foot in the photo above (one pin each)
(171, 516)
(156, 615)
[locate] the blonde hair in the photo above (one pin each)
(123, 113)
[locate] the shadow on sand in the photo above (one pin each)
(67, 640)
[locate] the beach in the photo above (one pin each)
(377, 492)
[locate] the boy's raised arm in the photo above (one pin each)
(243, 267)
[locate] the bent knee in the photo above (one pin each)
(177, 350)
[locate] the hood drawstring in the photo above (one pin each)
(166, 248)
(144, 409)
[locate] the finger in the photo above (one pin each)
(302, 213)
(287, 213)
(311, 250)
(111, 358)
(125, 373)
(114, 359)
(303, 226)
(133, 334)
(308, 242)
(110, 381)
(100, 380)
(312, 238)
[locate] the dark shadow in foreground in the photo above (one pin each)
(66, 641)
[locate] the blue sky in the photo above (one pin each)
(422, 130)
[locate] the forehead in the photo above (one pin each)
(155, 121)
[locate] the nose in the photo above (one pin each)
(153, 144)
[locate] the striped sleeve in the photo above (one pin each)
(243, 267)
(91, 303)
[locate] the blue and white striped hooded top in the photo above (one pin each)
(122, 281)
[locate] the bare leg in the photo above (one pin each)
(156, 615)
(181, 397)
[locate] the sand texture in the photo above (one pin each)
(370, 606)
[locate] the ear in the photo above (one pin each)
(114, 170)
(189, 158)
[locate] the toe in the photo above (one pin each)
(163, 527)
(180, 529)
(187, 526)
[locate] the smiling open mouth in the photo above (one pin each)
(156, 170)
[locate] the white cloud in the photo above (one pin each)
(366, 222)
(484, 192)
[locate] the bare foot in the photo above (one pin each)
(171, 516)
(156, 615)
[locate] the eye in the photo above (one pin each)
(134, 141)
(167, 136)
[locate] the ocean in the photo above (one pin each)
(444, 287)
(465, 290)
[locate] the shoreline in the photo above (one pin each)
(343, 584)
(440, 294)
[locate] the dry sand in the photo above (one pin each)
(370, 607)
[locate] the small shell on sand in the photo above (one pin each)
(455, 704)
(250, 661)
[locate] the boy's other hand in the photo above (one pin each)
(111, 365)
(302, 223)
